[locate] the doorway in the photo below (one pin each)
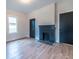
(32, 28)
(66, 28)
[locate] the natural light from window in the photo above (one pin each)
(12, 24)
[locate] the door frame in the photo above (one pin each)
(59, 26)
(30, 27)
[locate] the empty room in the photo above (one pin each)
(39, 29)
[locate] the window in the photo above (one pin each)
(12, 24)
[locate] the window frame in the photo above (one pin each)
(13, 23)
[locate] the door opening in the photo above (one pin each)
(32, 28)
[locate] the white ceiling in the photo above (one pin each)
(26, 8)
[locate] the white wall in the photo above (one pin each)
(65, 6)
(62, 7)
(43, 16)
(22, 25)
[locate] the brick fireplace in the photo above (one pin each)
(47, 33)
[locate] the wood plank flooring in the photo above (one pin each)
(31, 49)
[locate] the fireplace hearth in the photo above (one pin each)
(47, 33)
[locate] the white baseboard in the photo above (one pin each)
(13, 39)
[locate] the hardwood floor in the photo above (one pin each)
(31, 49)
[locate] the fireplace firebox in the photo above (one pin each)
(45, 36)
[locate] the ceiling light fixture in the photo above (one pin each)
(25, 1)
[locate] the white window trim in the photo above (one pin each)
(9, 24)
